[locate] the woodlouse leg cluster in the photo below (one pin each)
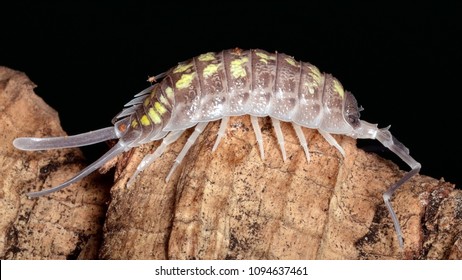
(189, 143)
(150, 158)
(331, 140)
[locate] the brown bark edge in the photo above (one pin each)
(65, 225)
(229, 204)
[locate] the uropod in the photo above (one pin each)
(217, 85)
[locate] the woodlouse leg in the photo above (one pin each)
(301, 138)
(221, 132)
(279, 136)
(331, 140)
(256, 129)
(149, 159)
(191, 140)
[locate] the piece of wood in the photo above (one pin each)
(229, 204)
(66, 224)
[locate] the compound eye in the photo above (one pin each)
(351, 110)
(353, 120)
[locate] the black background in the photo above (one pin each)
(402, 63)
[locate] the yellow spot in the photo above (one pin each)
(184, 81)
(338, 88)
(145, 121)
(154, 116)
(160, 108)
(291, 61)
(310, 87)
(182, 67)
(169, 92)
(264, 57)
(237, 70)
(146, 102)
(206, 56)
(164, 100)
(315, 74)
(210, 70)
(134, 123)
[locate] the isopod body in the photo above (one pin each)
(215, 86)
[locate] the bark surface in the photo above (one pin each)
(64, 225)
(229, 204)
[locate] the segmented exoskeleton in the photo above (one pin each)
(215, 86)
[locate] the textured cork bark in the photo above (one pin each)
(67, 224)
(230, 204)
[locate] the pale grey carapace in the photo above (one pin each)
(215, 86)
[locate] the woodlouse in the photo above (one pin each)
(215, 86)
